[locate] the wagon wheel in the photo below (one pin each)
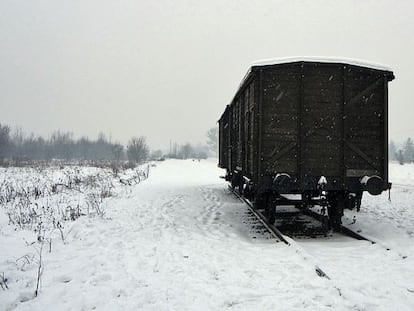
(248, 192)
(270, 209)
(259, 202)
(233, 181)
(336, 206)
(240, 185)
(350, 201)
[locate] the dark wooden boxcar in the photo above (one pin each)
(318, 128)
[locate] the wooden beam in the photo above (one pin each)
(362, 154)
(366, 91)
(282, 151)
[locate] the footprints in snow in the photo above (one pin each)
(210, 213)
(173, 202)
(166, 213)
(63, 278)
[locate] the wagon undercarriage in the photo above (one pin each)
(330, 202)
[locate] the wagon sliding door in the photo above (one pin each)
(343, 126)
(279, 120)
(366, 124)
(321, 131)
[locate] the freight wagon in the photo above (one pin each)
(316, 128)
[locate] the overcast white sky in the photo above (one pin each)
(167, 68)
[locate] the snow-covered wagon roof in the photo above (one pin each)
(320, 59)
(315, 59)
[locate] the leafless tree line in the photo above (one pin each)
(16, 146)
(187, 151)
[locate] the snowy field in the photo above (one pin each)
(180, 241)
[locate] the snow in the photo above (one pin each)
(320, 59)
(401, 175)
(180, 241)
(322, 181)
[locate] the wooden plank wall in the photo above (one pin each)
(334, 128)
(322, 120)
(281, 87)
(364, 120)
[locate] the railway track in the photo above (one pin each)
(278, 235)
(343, 229)
(293, 216)
(287, 236)
(346, 231)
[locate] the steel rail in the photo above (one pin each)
(276, 232)
(271, 228)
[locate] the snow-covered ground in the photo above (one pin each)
(180, 241)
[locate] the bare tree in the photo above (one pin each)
(392, 151)
(212, 139)
(186, 151)
(4, 141)
(117, 149)
(156, 154)
(400, 157)
(137, 150)
(409, 150)
(62, 143)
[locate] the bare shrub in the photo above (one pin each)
(3, 282)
